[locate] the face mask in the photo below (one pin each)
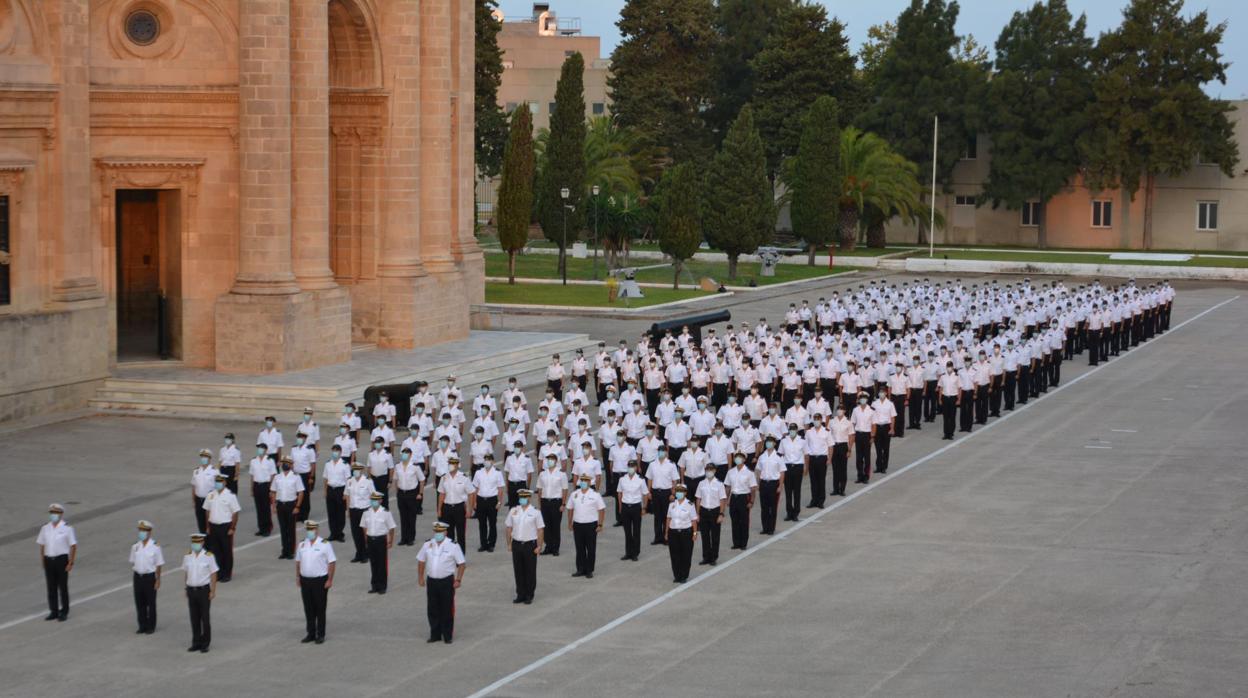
(407, 456)
(342, 431)
(523, 500)
(307, 417)
(310, 535)
(350, 410)
(376, 505)
(710, 475)
(862, 401)
(337, 455)
(54, 517)
(219, 486)
(583, 485)
(439, 537)
(203, 460)
(377, 447)
(268, 424)
(632, 470)
(196, 547)
(229, 441)
(384, 400)
(649, 432)
(740, 461)
(142, 536)
(260, 451)
(298, 442)
(680, 496)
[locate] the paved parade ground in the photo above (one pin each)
(1092, 543)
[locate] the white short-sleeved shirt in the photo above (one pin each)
(711, 493)
(313, 557)
(632, 488)
(586, 505)
(488, 481)
(222, 506)
(740, 480)
(377, 522)
(358, 492)
(199, 568)
(682, 515)
(455, 488)
(440, 559)
(524, 523)
(146, 557)
(56, 539)
(287, 486)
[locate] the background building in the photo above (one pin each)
(1202, 209)
(534, 49)
(245, 185)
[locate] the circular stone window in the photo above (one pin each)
(142, 27)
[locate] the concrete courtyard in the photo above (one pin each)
(1093, 543)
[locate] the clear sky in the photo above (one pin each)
(981, 18)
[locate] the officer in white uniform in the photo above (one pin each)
(287, 494)
(201, 588)
(586, 512)
(146, 560)
(222, 509)
(524, 528)
(680, 532)
(631, 498)
(712, 498)
(378, 525)
(58, 546)
(357, 495)
(440, 569)
(314, 575)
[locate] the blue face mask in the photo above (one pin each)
(54, 517)
(310, 535)
(583, 485)
(142, 536)
(204, 460)
(439, 537)
(680, 496)
(196, 547)
(218, 486)
(376, 505)
(523, 500)
(260, 451)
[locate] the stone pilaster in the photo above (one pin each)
(265, 325)
(406, 290)
(75, 272)
(309, 71)
(436, 232)
(464, 241)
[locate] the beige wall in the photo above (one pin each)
(85, 111)
(1070, 213)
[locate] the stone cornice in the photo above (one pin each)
(149, 163)
(166, 96)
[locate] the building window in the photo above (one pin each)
(972, 147)
(599, 108)
(142, 27)
(508, 65)
(1031, 214)
(963, 200)
(568, 54)
(534, 108)
(551, 106)
(1102, 214)
(1206, 215)
(6, 289)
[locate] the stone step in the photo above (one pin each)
(216, 399)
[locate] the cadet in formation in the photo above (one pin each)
(314, 575)
(147, 561)
(523, 529)
(58, 546)
(440, 570)
(201, 570)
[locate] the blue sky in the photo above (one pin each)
(981, 18)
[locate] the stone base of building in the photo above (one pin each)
(53, 360)
(416, 311)
(274, 334)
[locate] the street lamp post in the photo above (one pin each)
(595, 191)
(563, 249)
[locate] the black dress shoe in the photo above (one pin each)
(258, 534)
(589, 575)
(617, 524)
(63, 616)
(447, 640)
(517, 600)
(372, 591)
(307, 639)
(140, 631)
(320, 640)
(434, 639)
(150, 631)
(634, 558)
(578, 574)
(481, 549)
(52, 616)
(704, 562)
(193, 648)
(527, 602)
(555, 554)
(204, 649)
(381, 591)
(626, 557)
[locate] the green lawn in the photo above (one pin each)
(578, 295)
(546, 266)
(1080, 258)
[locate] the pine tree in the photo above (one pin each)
(741, 27)
(679, 225)
(1038, 106)
(739, 212)
(661, 73)
(489, 124)
(918, 78)
(1150, 116)
(805, 57)
(815, 180)
(515, 192)
(564, 165)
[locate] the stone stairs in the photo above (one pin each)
(232, 397)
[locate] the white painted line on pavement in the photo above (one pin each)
(1125, 431)
(602, 630)
(1098, 447)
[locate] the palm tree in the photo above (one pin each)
(879, 185)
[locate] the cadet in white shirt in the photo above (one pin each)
(863, 419)
(228, 460)
(58, 546)
(262, 471)
(314, 575)
(271, 437)
(712, 498)
(201, 588)
(380, 465)
(440, 569)
(884, 418)
(524, 530)
(336, 474)
(586, 512)
(287, 494)
(222, 508)
(816, 444)
(202, 479)
(454, 506)
(770, 470)
(742, 487)
(357, 494)
(147, 561)
(409, 485)
(631, 498)
(663, 476)
(680, 532)
(378, 525)
(552, 487)
(488, 483)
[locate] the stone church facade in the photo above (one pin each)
(251, 186)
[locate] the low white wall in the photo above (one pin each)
(1139, 271)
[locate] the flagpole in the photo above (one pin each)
(931, 223)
